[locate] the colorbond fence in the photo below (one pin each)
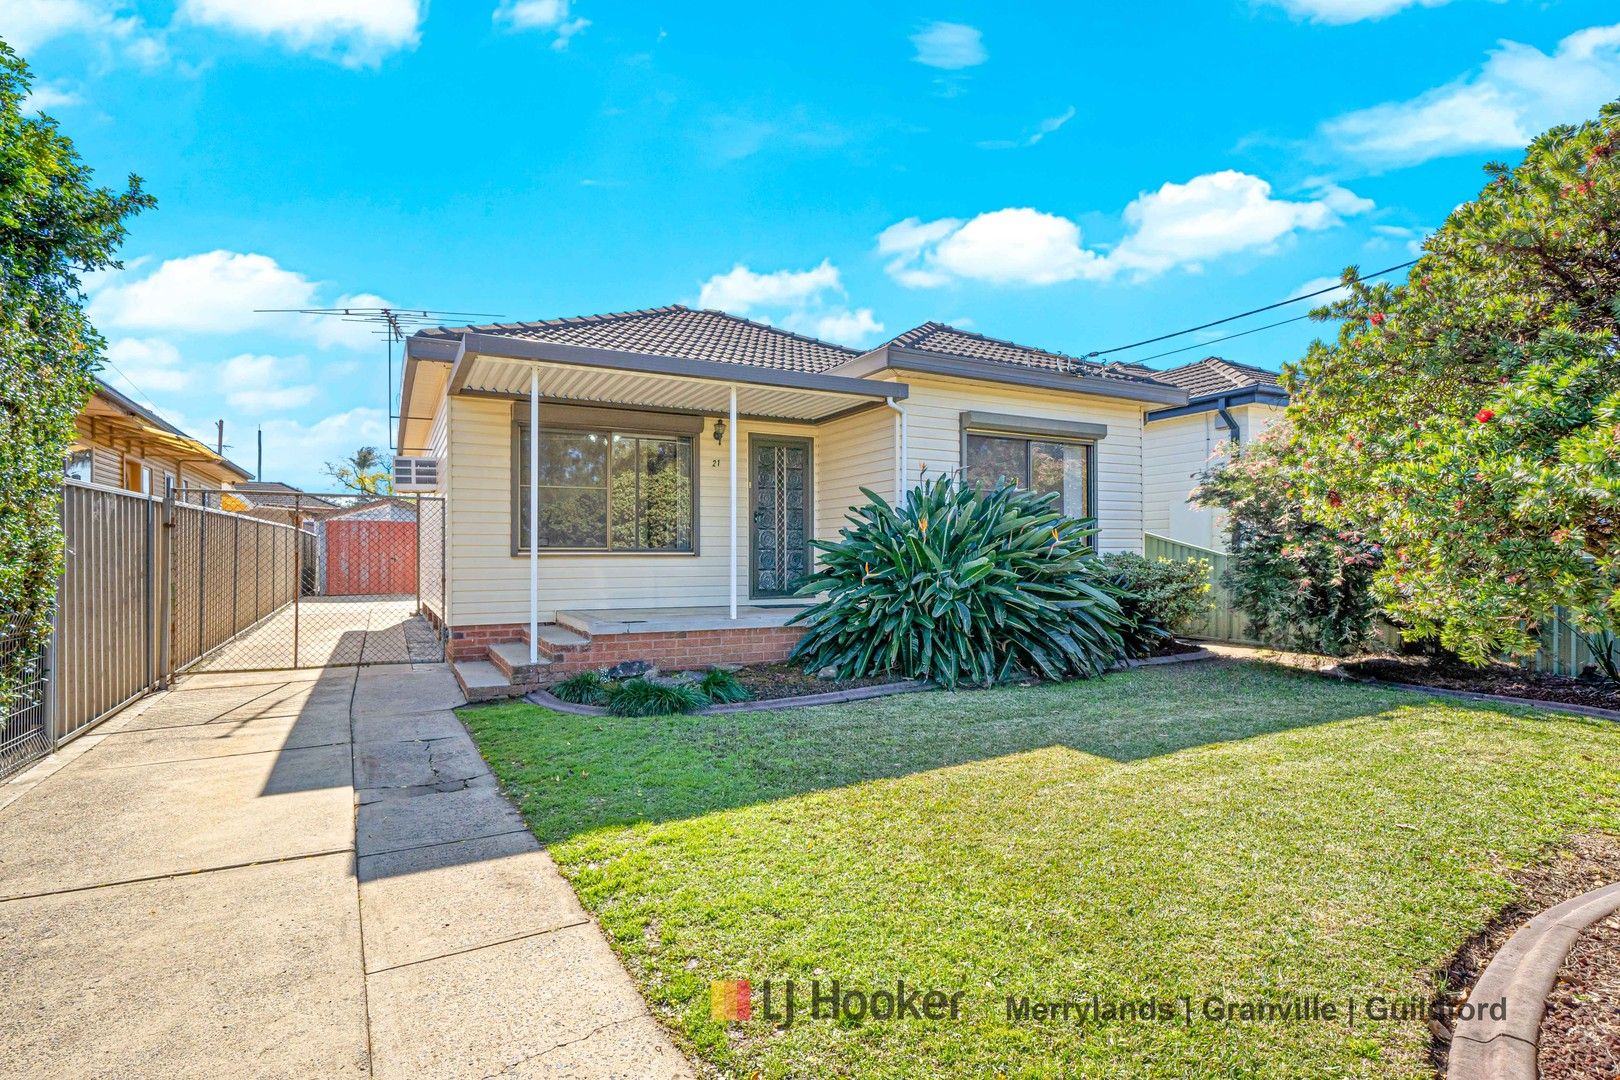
(1563, 652)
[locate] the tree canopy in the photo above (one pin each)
(1469, 419)
(55, 226)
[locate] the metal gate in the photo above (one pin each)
(305, 580)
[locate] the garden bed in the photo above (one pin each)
(770, 682)
(1498, 679)
(1580, 1033)
(1588, 862)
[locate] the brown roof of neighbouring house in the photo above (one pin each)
(676, 330)
(1213, 375)
(944, 340)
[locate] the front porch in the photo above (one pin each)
(499, 662)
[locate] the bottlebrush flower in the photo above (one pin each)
(1485, 416)
(1377, 318)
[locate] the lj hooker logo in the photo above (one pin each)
(731, 999)
(782, 1003)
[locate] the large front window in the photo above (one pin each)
(1039, 465)
(608, 491)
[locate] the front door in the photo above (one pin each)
(779, 531)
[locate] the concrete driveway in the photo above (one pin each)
(297, 874)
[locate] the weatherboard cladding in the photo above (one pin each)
(715, 335)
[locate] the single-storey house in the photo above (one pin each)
(123, 444)
(646, 484)
(1226, 403)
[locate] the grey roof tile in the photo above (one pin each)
(676, 330)
(1214, 375)
(943, 340)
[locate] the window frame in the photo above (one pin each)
(1030, 431)
(520, 424)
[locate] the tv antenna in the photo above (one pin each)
(391, 324)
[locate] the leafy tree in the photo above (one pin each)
(1470, 418)
(1301, 584)
(365, 471)
(55, 226)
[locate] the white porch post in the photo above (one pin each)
(731, 436)
(534, 516)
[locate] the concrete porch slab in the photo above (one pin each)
(400, 691)
(676, 619)
(120, 824)
(433, 901)
(504, 1010)
(245, 970)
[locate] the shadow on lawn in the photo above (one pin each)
(572, 774)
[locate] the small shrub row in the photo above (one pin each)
(641, 696)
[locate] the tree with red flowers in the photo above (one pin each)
(1469, 419)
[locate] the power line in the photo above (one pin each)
(1246, 314)
(1228, 337)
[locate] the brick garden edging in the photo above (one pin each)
(1522, 974)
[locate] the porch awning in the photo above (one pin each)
(501, 366)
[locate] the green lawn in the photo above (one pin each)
(1207, 829)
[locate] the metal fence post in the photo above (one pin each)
(167, 616)
(298, 571)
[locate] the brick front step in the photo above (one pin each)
(481, 680)
(511, 658)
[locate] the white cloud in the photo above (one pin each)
(951, 46)
(803, 301)
(338, 332)
(356, 33)
(46, 96)
(1042, 130)
(215, 292)
(1518, 92)
(150, 364)
(549, 15)
(741, 290)
(258, 384)
(1339, 12)
(1316, 285)
(1180, 225)
(1220, 213)
(27, 24)
(295, 451)
(836, 324)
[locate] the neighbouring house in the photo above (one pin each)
(125, 445)
(272, 500)
(1226, 403)
(646, 484)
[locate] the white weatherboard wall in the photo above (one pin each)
(1174, 453)
(489, 585)
(935, 410)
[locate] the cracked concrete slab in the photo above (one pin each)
(434, 901)
(416, 763)
(396, 824)
(396, 693)
(246, 970)
(120, 824)
(409, 727)
(505, 1008)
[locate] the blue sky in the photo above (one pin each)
(1065, 175)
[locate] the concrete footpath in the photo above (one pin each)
(297, 874)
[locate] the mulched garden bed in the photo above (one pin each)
(1495, 679)
(1580, 1033)
(767, 682)
(1175, 647)
(1590, 862)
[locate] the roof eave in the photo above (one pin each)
(1244, 395)
(474, 345)
(891, 357)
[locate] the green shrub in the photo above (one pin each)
(1302, 585)
(1157, 595)
(584, 688)
(723, 688)
(643, 697)
(959, 584)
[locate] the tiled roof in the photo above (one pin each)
(675, 330)
(1213, 375)
(944, 340)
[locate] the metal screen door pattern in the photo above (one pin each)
(304, 580)
(780, 528)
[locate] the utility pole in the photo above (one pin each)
(220, 439)
(258, 473)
